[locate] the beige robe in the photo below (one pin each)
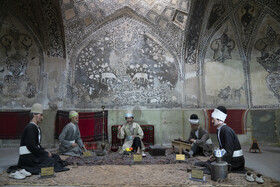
(124, 132)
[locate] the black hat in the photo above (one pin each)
(222, 109)
(194, 116)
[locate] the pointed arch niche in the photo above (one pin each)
(223, 71)
(123, 63)
(21, 63)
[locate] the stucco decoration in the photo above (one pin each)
(269, 46)
(222, 47)
(180, 19)
(55, 40)
(273, 81)
(167, 19)
(217, 11)
(124, 63)
(224, 77)
(230, 94)
(16, 63)
(46, 26)
(17, 50)
(192, 40)
(249, 14)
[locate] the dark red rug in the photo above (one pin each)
(90, 125)
(236, 119)
(13, 123)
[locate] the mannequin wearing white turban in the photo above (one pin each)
(228, 139)
(132, 134)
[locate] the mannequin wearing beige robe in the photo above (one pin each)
(125, 133)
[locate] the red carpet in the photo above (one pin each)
(13, 123)
(90, 125)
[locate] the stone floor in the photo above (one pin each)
(266, 163)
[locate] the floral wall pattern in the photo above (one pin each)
(18, 86)
(152, 53)
(125, 64)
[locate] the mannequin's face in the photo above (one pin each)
(38, 118)
(216, 122)
(75, 119)
(194, 126)
(129, 120)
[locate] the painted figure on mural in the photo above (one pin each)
(201, 142)
(33, 156)
(228, 140)
(70, 137)
(132, 134)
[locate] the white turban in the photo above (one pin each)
(128, 115)
(194, 121)
(219, 115)
(37, 108)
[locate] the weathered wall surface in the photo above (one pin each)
(163, 56)
(31, 54)
(20, 64)
(126, 66)
(132, 57)
(266, 126)
(265, 63)
(241, 62)
(148, 53)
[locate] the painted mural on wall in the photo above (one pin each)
(231, 48)
(222, 46)
(249, 16)
(269, 46)
(124, 64)
(16, 50)
(55, 40)
(224, 74)
(168, 19)
(217, 11)
(194, 31)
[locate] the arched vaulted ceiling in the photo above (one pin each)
(189, 30)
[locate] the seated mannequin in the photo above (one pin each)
(70, 137)
(133, 134)
(33, 156)
(201, 142)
